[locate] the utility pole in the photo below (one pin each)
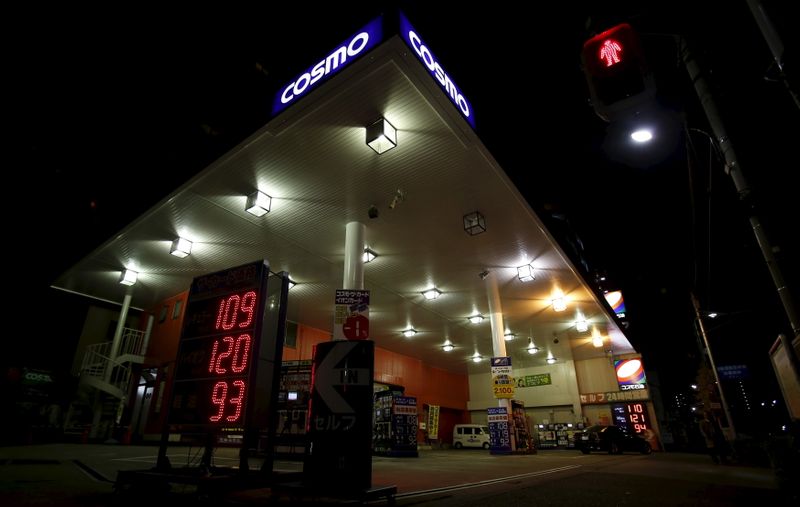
(722, 398)
(785, 66)
(734, 170)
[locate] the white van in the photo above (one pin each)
(470, 435)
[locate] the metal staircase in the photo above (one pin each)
(109, 378)
(109, 375)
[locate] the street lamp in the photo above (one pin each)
(722, 399)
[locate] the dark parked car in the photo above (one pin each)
(610, 439)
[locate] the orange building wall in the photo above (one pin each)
(163, 345)
(430, 385)
(162, 349)
(307, 337)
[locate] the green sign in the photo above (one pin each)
(542, 379)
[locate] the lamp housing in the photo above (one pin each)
(258, 203)
(128, 277)
(181, 247)
(381, 136)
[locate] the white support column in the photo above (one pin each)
(123, 316)
(353, 278)
(354, 256)
(148, 330)
(498, 329)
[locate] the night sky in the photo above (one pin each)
(115, 109)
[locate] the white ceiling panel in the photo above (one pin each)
(314, 162)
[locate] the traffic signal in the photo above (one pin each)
(616, 71)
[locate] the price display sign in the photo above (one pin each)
(218, 348)
(499, 431)
(638, 419)
(632, 416)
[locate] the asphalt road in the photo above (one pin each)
(82, 475)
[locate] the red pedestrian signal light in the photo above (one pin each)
(616, 71)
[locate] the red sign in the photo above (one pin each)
(351, 315)
(356, 327)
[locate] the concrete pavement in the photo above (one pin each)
(74, 474)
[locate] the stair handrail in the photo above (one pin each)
(96, 362)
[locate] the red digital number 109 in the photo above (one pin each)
(231, 353)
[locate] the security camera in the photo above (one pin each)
(483, 274)
(372, 212)
(555, 340)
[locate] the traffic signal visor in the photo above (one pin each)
(616, 70)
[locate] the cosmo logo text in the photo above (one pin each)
(426, 56)
(364, 40)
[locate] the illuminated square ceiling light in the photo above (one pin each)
(181, 247)
(258, 203)
(408, 333)
(509, 336)
(476, 319)
(128, 277)
(474, 223)
(597, 338)
(381, 136)
(581, 325)
(432, 293)
(369, 255)
(525, 273)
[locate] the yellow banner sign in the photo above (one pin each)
(503, 386)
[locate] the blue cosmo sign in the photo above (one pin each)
(348, 51)
(424, 54)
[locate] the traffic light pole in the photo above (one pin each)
(734, 170)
